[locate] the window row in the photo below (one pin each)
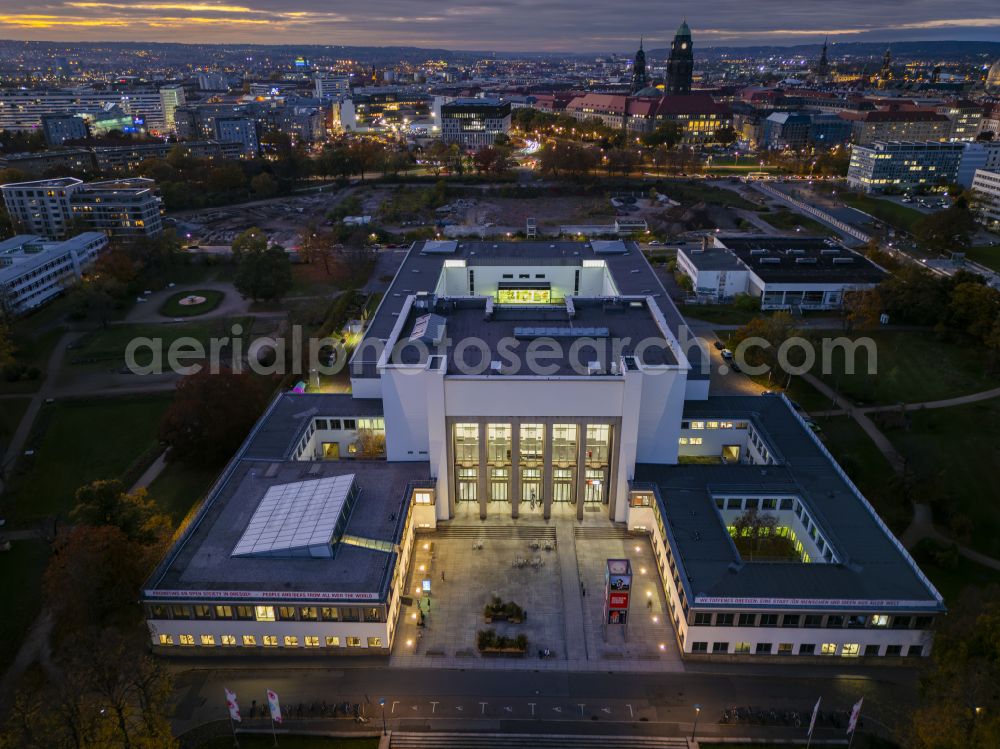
(268, 641)
(713, 425)
(268, 613)
(812, 621)
(845, 650)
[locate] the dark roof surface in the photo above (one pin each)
(874, 568)
(803, 260)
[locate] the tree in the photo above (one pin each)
(726, 136)
(960, 704)
(668, 134)
(862, 308)
(7, 348)
(264, 185)
(105, 502)
(251, 240)
(974, 309)
(947, 230)
(264, 275)
(752, 529)
(773, 330)
(211, 415)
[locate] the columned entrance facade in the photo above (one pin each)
(525, 466)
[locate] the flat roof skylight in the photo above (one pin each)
(297, 519)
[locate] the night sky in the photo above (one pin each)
(506, 25)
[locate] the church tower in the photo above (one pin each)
(823, 66)
(639, 78)
(680, 66)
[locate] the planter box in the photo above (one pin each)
(497, 652)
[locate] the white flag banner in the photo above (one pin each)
(812, 720)
(855, 714)
(274, 706)
(234, 706)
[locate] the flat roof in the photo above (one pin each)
(874, 570)
(602, 320)
(420, 272)
(803, 260)
(712, 258)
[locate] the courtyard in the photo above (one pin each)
(554, 570)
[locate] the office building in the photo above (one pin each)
(986, 188)
(975, 156)
(59, 128)
(966, 118)
(898, 124)
(305, 544)
(171, 97)
(474, 123)
(329, 86)
(242, 130)
(22, 109)
(784, 273)
(213, 82)
(41, 207)
(34, 271)
(799, 130)
(125, 208)
(382, 109)
(904, 165)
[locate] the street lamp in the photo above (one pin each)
(381, 702)
(697, 712)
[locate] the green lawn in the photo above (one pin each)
(791, 221)
(954, 453)
(173, 307)
(985, 255)
(867, 467)
(951, 581)
(179, 487)
(108, 345)
(262, 741)
(21, 571)
(11, 412)
(691, 192)
(894, 214)
(76, 442)
(911, 367)
(32, 350)
(720, 314)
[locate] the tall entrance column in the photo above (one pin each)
(515, 467)
(483, 473)
(581, 468)
(547, 473)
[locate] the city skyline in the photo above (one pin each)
(555, 25)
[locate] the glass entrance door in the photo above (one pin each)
(531, 488)
(563, 485)
(594, 486)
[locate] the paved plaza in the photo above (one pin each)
(554, 570)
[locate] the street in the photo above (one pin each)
(520, 701)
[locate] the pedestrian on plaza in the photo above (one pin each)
(442, 575)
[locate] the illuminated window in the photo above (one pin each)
(166, 639)
(291, 641)
(332, 642)
(850, 649)
(229, 640)
(208, 639)
(374, 642)
(223, 612)
(264, 613)
(308, 613)
(250, 641)
(880, 620)
(271, 641)
(829, 648)
(312, 642)
(187, 639)
(354, 642)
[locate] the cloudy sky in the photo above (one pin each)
(514, 25)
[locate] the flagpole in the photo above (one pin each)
(232, 724)
(274, 734)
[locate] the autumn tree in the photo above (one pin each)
(947, 230)
(211, 415)
(758, 342)
(264, 275)
(862, 309)
(106, 502)
(252, 240)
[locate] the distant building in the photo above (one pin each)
(783, 272)
(797, 130)
(966, 118)
(34, 271)
(821, 71)
(986, 187)
(680, 65)
(474, 123)
(242, 130)
(899, 124)
(903, 165)
(22, 109)
(37, 163)
(383, 109)
(110, 159)
(59, 128)
(41, 207)
(975, 156)
(120, 208)
(331, 86)
(213, 82)
(171, 97)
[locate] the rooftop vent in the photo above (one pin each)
(843, 260)
(428, 329)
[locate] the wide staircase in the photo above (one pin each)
(508, 532)
(409, 740)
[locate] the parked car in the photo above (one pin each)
(734, 366)
(727, 354)
(719, 345)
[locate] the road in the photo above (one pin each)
(521, 700)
